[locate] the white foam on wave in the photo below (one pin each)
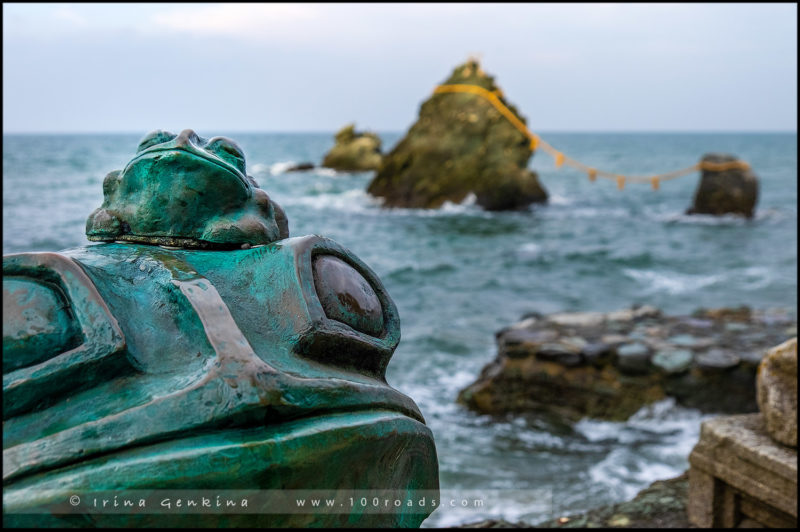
(708, 219)
(529, 250)
(353, 200)
(653, 444)
(671, 282)
(753, 278)
(325, 172)
(467, 206)
(749, 278)
(469, 201)
(259, 169)
(558, 199)
(280, 167)
(587, 212)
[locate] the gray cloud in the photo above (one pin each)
(306, 67)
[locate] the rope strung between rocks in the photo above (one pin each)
(493, 97)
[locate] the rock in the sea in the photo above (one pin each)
(776, 390)
(354, 151)
(598, 354)
(577, 319)
(573, 365)
(561, 352)
(460, 145)
(673, 361)
(301, 167)
(732, 191)
(717, 360)
(633, 358)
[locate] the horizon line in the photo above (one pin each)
(391, 131)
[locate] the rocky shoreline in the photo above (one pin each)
(660, 505)
(609, 365)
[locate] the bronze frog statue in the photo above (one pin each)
(199, 347)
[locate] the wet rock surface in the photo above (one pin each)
(661, 505)
(354, 151)
(609, 365)
(460, 145)
(733, 191)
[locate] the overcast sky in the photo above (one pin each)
(314, 67)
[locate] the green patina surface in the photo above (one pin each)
(184, 190)
(129, 365)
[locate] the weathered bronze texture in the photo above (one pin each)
(257, 362)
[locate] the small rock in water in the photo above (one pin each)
(646, 311)
(300, 167)
(698, 323)
(732, 190)
(574, 341)
(717, 359)
(526, 336)
(527, 323)
(736, 326)
(577, 319)
(620, 315)
(633, 358)
(614, 339)
(354, 151)
(672, 362)
(598, 354)
(687, 340)
(560, 352)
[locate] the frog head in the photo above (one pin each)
(186, 191)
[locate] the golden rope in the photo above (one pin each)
(493, 97)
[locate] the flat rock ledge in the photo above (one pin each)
(609, 365)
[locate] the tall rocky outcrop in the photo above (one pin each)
(460, 145)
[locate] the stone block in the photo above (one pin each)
(776, 392)
(739, 475)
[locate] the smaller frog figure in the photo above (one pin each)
(186, 191)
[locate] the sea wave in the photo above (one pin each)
(763, 215)
(671, 282)
(653, 444)
(747, 279)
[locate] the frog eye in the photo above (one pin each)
(158, 136)
(227, 150)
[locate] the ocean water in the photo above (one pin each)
(458, 274)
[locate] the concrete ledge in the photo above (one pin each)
(738, 475)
